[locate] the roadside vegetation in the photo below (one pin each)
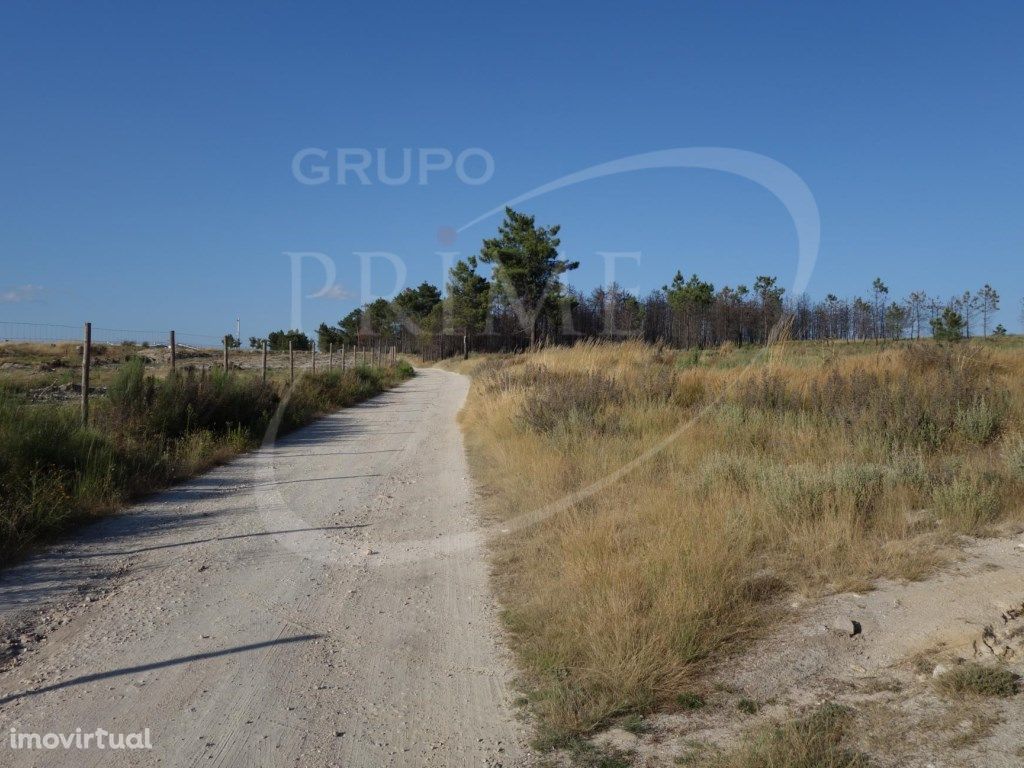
(806, 467)
(972, 679)
(817, 740)
(146, 433)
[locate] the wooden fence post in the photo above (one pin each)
(225, 354)
(291, 364)
(86, 356)
(264, 360)
(343, 357)
(174, 351)
(330, 356)
(312, 356)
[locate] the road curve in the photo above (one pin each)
(323, 601)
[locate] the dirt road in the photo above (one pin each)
(323, 601)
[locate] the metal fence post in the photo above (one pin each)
(86, 355)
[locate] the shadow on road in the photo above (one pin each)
(155, 665)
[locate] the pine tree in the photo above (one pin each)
(469, 297)
(988, 305)
(949, 326)
(527, 268)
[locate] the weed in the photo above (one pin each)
(967, 503)
(1013, 455)
(687, 700)
(748, 706)
(635, 724)
(814, 741)
(978, 680)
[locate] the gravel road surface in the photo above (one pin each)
(323, 601)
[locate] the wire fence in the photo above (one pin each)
(42, 333)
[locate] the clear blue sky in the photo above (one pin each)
(147, 152)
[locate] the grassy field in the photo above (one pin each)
(807, 467)
(28, 366)
(146, 433)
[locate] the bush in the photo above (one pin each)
(815, 741)
(130, 391)
(1013, 455)
(979, 422)
(978, 680)
(690, 701)
(567, 400)
(967, 504)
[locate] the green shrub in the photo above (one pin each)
(130, 391)
(815, 741)
(978, 422)
(689, 700)
(568, 400)
(978, 680)
(748, 706)
(967, 504)
(1013, 455)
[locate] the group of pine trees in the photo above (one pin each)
(525, 301)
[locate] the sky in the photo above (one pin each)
(147, 152)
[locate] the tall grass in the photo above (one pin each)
(144, 435)
(804, 470)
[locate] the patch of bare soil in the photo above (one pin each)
(881, 654)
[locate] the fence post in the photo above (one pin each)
(342, 357)
(86, 355)
(174, 352)
(312, 356)
(225, 354)
(330, 356)
(465, 346)
(291, 364)
(264, 360)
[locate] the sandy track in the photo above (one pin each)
(321, 602)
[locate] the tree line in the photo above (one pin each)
(525, 301)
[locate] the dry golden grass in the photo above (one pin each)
(809, 467)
